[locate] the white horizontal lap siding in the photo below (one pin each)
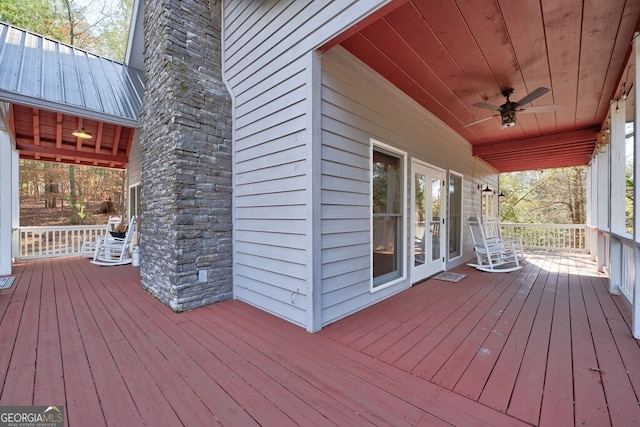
(357, 105)
(265, 48)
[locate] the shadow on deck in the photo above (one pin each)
(546, 345)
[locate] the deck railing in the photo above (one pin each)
(55, 241)
(561, 237)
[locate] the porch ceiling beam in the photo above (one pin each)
(36, 126)
(25, 145)
(589, 134)
(99, 139)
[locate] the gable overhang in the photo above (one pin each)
(51, 89)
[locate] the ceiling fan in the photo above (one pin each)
(508, 110)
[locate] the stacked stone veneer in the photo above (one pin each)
(185, 146)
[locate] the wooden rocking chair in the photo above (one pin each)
(115, 250)
(491, 255)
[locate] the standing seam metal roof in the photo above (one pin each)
(41, 72)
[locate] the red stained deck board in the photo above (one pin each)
(497, 390)
(234, 371)
(223, 407)
(590, 400)
(431, 398)
(49, 376)
(21, 371)
(374, 404)
(448, 373)
(438, 328)
(399, 340)
(557, 402)
(267, 366)
(112, 390)
(489, 310)
(153, 406)
(624, 409)
(477, 371)
(526, 398)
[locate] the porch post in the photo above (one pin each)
(635, 315)
(617, 211)
(6, 198)
(602, 206)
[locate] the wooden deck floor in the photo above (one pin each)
(545, 346)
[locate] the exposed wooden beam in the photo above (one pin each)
(99, 139)
(116, 140)
(36, 126)
(79, 140)
(537, 142)
(59, 130)
(25, 144)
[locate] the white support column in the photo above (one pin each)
(617, 206)
(602, 206)
(15, 202)
(635, 315)
(6, 197)
(592, 197)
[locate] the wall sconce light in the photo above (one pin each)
(502, 194)
(486, 189)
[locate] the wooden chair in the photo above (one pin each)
(115, 250)
(493, 234)
(492, 256)
(88, 248)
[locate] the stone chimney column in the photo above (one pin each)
(185, 148)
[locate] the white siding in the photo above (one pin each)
(267, 69)
(357, 105)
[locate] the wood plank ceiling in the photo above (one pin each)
(451, 54)
(47, 136)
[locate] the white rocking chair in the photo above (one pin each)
(493, 234)
(115, 250)
(88, 248)
(491, 255)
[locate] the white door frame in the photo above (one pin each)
(430, 267)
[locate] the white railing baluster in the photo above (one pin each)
(566, 237)
(53, 241)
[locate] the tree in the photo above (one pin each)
(37, 16)
(553, 196)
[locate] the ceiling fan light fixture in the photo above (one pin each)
(508, 119)
(82, 134)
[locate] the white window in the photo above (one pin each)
(388, 195)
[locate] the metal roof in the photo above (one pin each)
(40, 72)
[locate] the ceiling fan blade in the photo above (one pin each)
(540, 108)
(486, 106)
(532, 96)
(480, 121)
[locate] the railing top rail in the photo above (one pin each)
(540, 225)
(61, 227)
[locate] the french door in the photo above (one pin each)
(427, 214)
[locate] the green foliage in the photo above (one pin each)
(552, 196)
(94, 25)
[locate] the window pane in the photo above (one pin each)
(455, 215)
(435, 218)
(387, 217)
(386, 184)
(386, 249)
(420, 218)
